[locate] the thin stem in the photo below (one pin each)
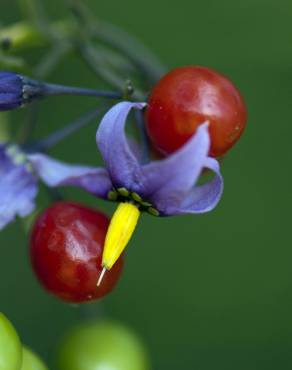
(120, 40)
(100, 67)
(43, 69)
(97, 64)
(29, 125)
(52, 58)
(61, 134)
(33, 10)
(137, 52)
(51, 89)
(91, 310)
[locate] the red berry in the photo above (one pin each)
(188, 96)
(66, 252)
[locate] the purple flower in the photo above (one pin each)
(19, 176)
(162, 188)
(168, 184)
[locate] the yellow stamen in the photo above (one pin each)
(121, 228)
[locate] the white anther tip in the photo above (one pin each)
(101, 276)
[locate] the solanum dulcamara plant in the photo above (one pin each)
(187, 119)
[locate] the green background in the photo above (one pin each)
(204, 292)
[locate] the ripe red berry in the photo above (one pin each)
(188, 96)
(66, 252)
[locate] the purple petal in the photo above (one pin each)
(121, 163)
(18, 189)
(55, 173)
(202, 198)
(170, 180)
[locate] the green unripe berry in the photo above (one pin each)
(102, 345)
(30, 361)
(10, 346)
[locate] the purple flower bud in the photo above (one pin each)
(17, 90)
(10, 91)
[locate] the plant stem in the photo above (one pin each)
(56, 53)
(35, 13)
(120, 40)
(32, 10)
(100, 67)
(43, 69)
(56, 137)
(127, 44)
(52, 89)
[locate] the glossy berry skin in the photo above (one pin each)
(66, 252)
(188, 96)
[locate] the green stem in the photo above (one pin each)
(120, 40)
(35, 13)
(32, 10)
(55, 90)
(25, 132)
(58, 136)
(51, 59)
(48, 63)
(98, 64)
(128, 45)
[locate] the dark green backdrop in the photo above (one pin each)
(206, 292)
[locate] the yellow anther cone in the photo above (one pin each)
(121, 228)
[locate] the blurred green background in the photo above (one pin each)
(205, 292)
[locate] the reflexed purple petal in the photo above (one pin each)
(120, 161)
(136, 149)
(169, 181)
(55, 173)
(202, 198)
(18, 189)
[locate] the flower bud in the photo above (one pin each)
(17, 90)
(10, 91)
